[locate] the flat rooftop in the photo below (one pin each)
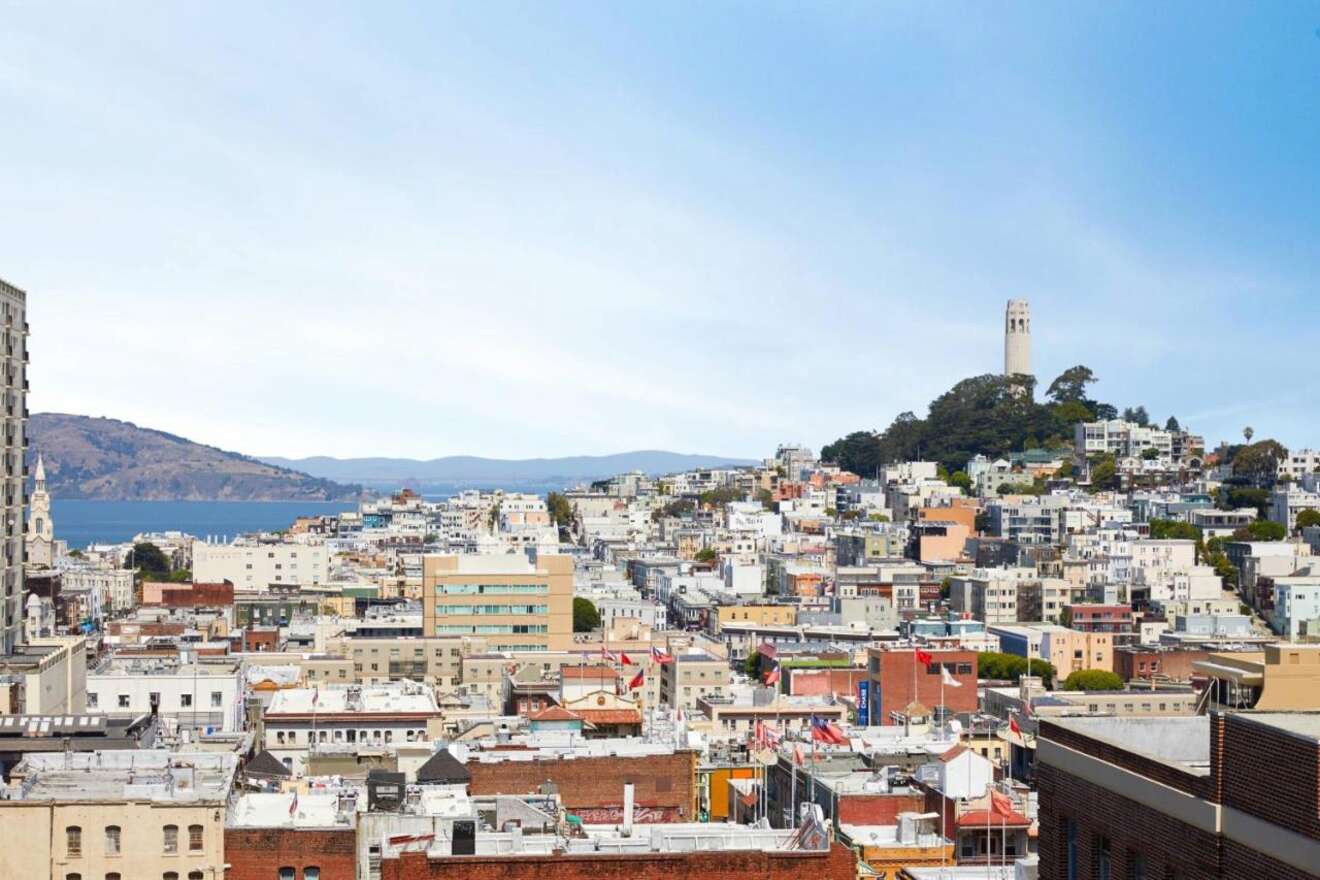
(367, 699)
(1303, 724)
(1182, 741)
(132, 775)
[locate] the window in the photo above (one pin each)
(311, 872)
(1070, 837)
(171, 834)
(1103, 869)
(170, 875)
(194, 875)
(195, 838)
(92, 699)
(1137, 863)
(73, 877)
(112, 840)
(123, 701)
(287, 873)
(113, 875)
(73, 841)
(217, 699)
(185, 701)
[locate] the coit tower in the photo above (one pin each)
(1017, 338)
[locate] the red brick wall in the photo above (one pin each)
(1176, 665)
(878, 809)
(198, 595)
(836, 864)
(259, 853)
(664, 782)
(1269, 774)
(1166, 843)
(823, 682)
(894, 682)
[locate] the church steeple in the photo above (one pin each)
(41, 474)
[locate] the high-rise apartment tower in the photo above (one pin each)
(13, 325)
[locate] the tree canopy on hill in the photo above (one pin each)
(991, 415)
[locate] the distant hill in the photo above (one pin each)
(106, 459)
(532, 474)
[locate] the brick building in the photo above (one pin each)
(835, 863)
(591, 785)
(1148, 662)
(1200, 798)
(892, 685)
(261, 853)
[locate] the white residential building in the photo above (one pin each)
(256, 566)
(1122, 439)
(199, 694)
(1291, 499)
(1298, 463)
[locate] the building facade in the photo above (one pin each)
(513, 602)
(13, 312)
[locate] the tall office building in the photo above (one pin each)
(1017, 338)
(13, 315)
(513, 602)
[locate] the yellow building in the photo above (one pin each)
(1285, 677)
(117, 814)
(912, 843)
(761, 615)
(514, 603)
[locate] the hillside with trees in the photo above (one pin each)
(991, 415)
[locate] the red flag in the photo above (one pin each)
(924, 658)
(797, 755)
(660, 656)
(293, 804)
(608, 655)
(637, 680)
(1000, 803)
(1013, 725)
(623, 658)
(772, 677)
(760, 733)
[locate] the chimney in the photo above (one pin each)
(627, 809)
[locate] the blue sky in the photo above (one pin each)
(535, 229)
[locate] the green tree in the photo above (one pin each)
(997, 666)
(679, 507)
(1308, 517)
(1070, 412)
(1070, 385)
(706, 554)
(150, 561)
(878, 517)
(1172, 424)
(585, 616)
(561, 511)
(766, 497)
(720, 497)
(1258, 463)
(1093, 680)
(752, 665)
(1104, 474)
(961, 480)
(1137, 415)
(1262, 530)
(1174, 528)
(1234, 497)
